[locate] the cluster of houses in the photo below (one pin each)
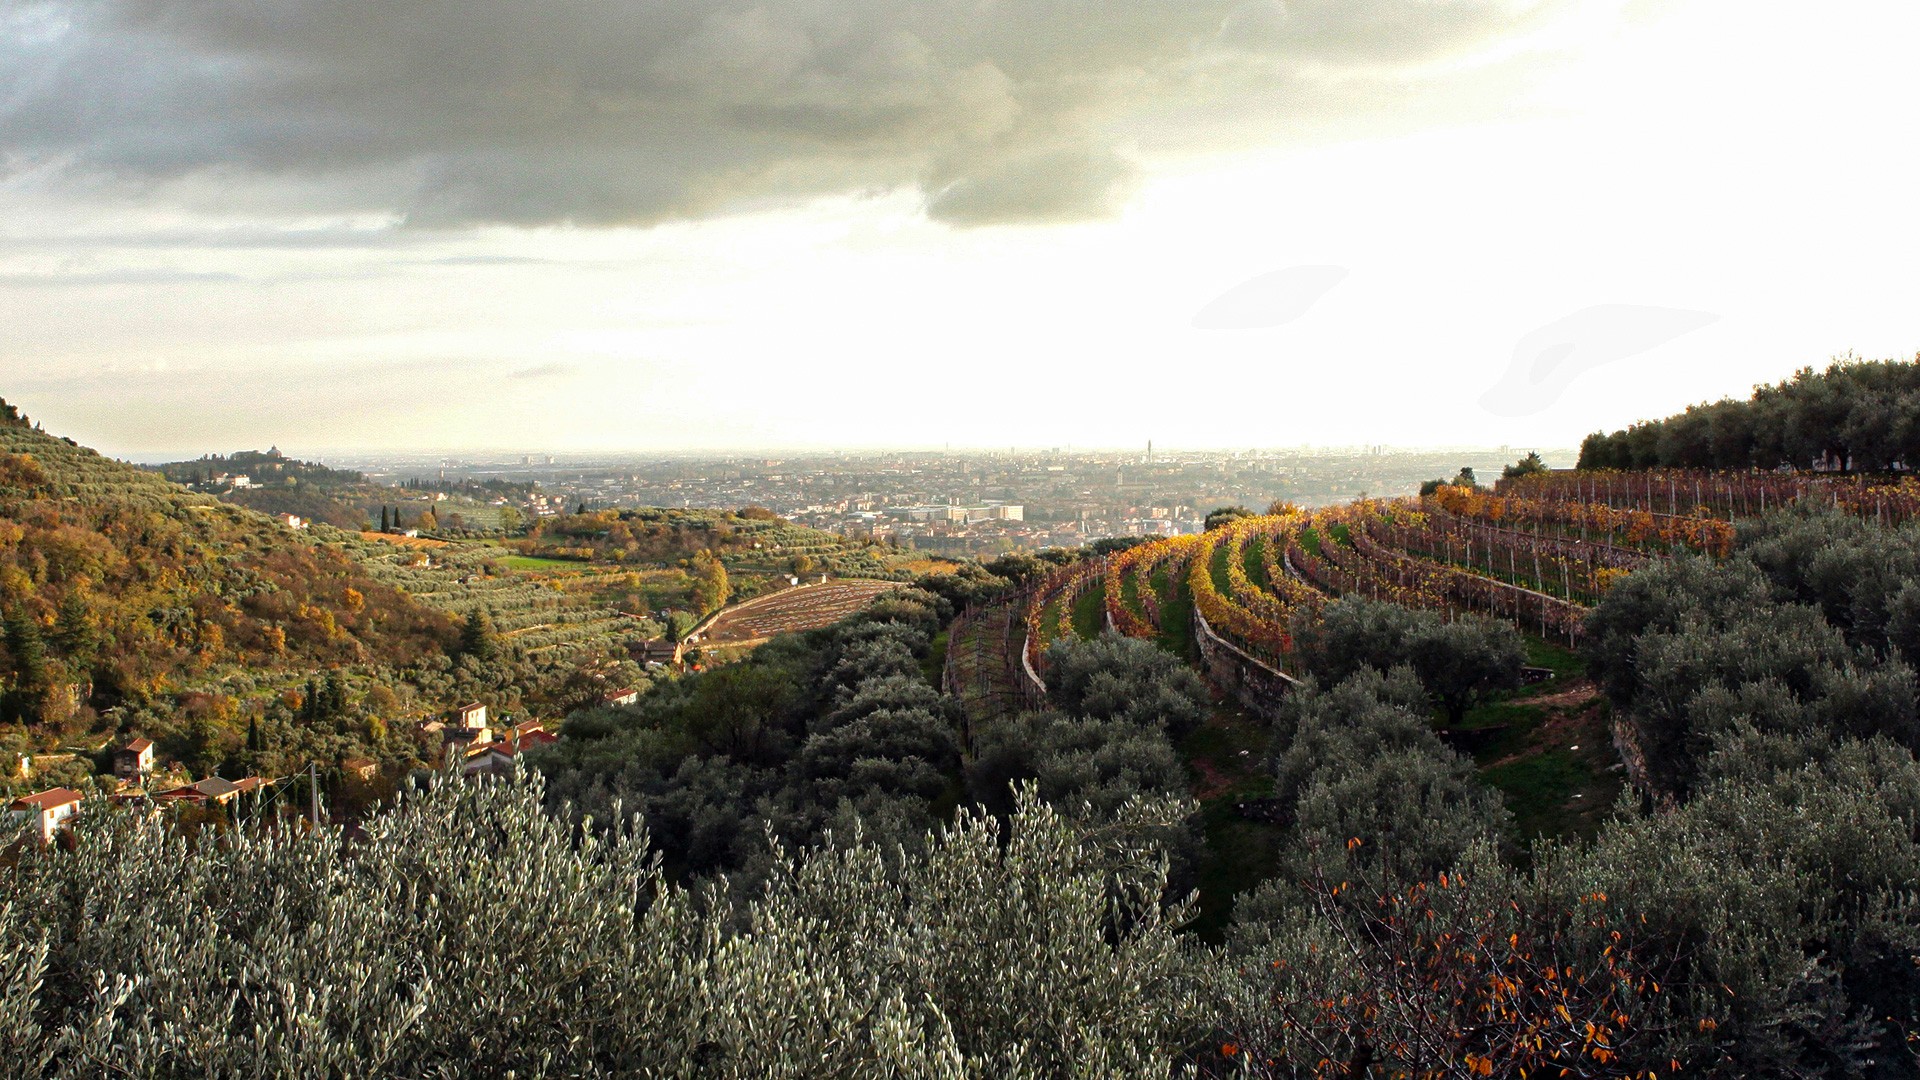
(481, 750)
(469, 739)
(132, 765)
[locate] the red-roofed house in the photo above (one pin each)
(134, 760)
(50, 809)
(214, 789)
(500, 758)
(623, 696)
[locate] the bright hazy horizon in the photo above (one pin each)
(693, 225)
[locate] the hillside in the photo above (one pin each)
(751, 539)
(134, 606)
(266, 468)
(1854, 415)
(272, 483)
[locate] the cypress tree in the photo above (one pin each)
(74, 629)
(335, 690)
(477, 637)
(28, 647)
(29, 651)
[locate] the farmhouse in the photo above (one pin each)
(500, 758)
(134, 760)
(213, 791)
(622, 696)
(658, 651)
(49, 809)
(469, 729)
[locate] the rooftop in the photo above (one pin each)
(46, 800)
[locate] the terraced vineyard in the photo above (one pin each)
(546, 616)
(804, 607)
(984, 666)
(1721, 496)
(1047, 611)
(1532, 558)
(1535, 553)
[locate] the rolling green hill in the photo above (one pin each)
(131, 604)
(134, 606)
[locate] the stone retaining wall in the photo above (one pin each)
(1257, 685)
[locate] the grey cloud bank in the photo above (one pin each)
(599, 112)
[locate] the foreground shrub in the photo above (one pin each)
(469, 933)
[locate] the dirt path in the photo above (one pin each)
(1212, 781)
(1578, 692)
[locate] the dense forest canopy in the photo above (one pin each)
(1855, 415)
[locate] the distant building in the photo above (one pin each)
(292, 521)
(134, 760)
(48, 809)
(469, 729)
(995, 512)
(658, 651)
(214, 791)
(501, 758)
(923, 512)
(622, 696)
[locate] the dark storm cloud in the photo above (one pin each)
(604, 112)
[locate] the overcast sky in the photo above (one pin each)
(686, 224)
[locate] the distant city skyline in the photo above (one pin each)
(690, 225)
(356, 457)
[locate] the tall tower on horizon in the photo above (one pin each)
(1149, 451)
